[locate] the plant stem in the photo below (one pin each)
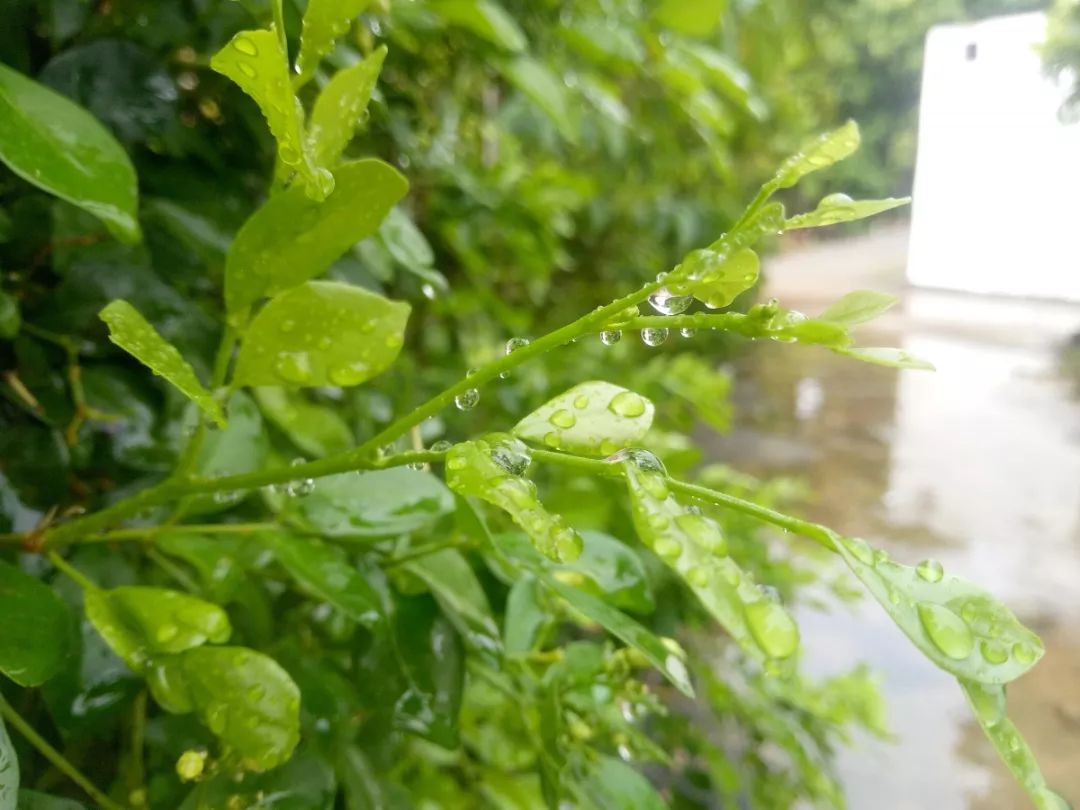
(15, 720)
(72, 572)
(150, 532)
(421, 552)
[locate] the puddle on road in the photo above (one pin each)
(977, 465)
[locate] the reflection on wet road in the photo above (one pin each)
(977, 465)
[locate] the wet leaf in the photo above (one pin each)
(131, 332)
(611, 783)
(36, 639)
(595, 418)
(341, 108)
(213, 558)
(525, 617)
(484, 18)
(858, 307)
(240, 448)
(612, 571)
(486, 469)
(315, 429)
(836, 208)
(720, 282)
(546, 91)
(257, 63)
(824, 151)
(382, 503)
(325, 572)
(242, 696)
(305, 782)
(292, 238)
(60, 148)
(953, 622)
(9, 772)
(883, 356)
(322, 333)
(459, 593)
(988, 703)
(692, 545)
(140, 623)
(667, 659)
(324, 22)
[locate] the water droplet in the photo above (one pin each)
(653, 337)
(642, 459)
(668, 548)
(247, 70)
(551, 439)
(349, 374)
(246, 46)
(859, 549)
(441, 446)
(467, 399)
(930, 570)
(946, 630)
(429, 292)
(626, 708)
(562, 418)
(509, 453)
(628, 404)
(687, 332)
(772, 628)
(698, 576)
(293, 367)
(1024, 653)
(666, 303)
(513, 344)
(993, 652)
(609, 337)
(581, 402)
(624, 753)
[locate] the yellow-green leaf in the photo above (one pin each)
(824, 151)
(324, 22)
(595, 418)
(485, 19)
(341, 108)
(836, 208)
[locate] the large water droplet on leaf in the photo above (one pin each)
(653, 337)
(467, 399)
(628, 404)
(930, 570)
(772, 628)
(948, 632)
(667, 303)
(562, 418)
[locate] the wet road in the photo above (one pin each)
(977, 465)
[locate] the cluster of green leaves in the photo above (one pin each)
(354, 627)
(1062, 52)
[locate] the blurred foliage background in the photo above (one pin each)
(558, 152)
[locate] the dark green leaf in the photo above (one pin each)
(305, 782)
(382, 503)
(484, 18)
(213, 558)
(9, 772)
(325, 572)
(837, 208)
(59, 147)
(131, 332)
(36, 638)
(242, 696)
(141, 623)
(342, 107)
(32, 800)
(594, 418)
(460, 595)
(10, 318)
(292, 238)
(612, 571)
(317, 430)
(324, 22)
(240, 448)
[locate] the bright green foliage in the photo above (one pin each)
(131, 332)
(324, 572)
(694, 547)
(493, 469)
(694, 19)
(885, 356)
(955, 624)
(324, 22)
(141, 624)
(484, 18)
(837, 208)
(609, 569)
(322, 333)
(720, 283)
(256, 61)
(613, 783)
(384, 503)
(242, 696)
(292, 238)
(827, 149)
(858, 307)
(594, 418)
(341, 107)
(61, 148)
(37, 637)
(9, 772)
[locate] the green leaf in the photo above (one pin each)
(10, 316)
(667, 658)
(594, 418)
(241, 447)
(612, 571)
(324, 22)
(317, 430)
(486, 19)
(242, 696)
(884, 356)
(305, 782)
(213, 558)
(60, 148)
(837, 208)
(9, 772)
(141, 623)
(491, 469)
(133, 333)
(32, 800)
(858, 307)
(692, 545)
(36, 638)
(341, 108)
(953, 622)
(988, 703)
(546, 90)
(382, 503)
(695, 18)
(720, 282)
(459, 593)
(256, 61)
(322, 333)
(525, 617)
(612, 783)
(292, 238)
(325, 572)
(824, 151)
